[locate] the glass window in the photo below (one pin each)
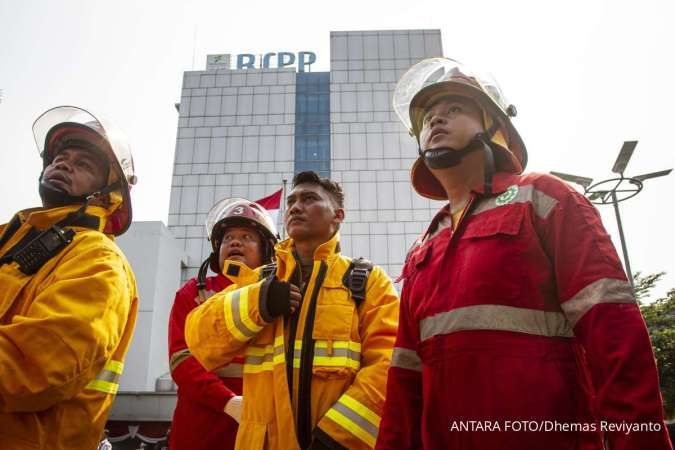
(312, 122)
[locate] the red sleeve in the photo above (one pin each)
(193, 380)
(400, 427)
(600, 304)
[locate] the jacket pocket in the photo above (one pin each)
(507, 222)
(333, 321)
(333, 292)
(251, 436)
(336, 355)
(416, 261)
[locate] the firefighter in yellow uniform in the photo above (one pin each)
(317, 334)
(67, 294)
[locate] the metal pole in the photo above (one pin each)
(283, 211)
(623, 240)
(194, 48)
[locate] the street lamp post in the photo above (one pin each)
(615, 190)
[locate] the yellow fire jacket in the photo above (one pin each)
(335, 354)
(64, 332)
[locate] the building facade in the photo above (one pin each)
(242, 132)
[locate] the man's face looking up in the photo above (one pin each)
(451, 122)
(243, 244)
(76, 171)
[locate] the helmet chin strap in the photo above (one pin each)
(488, 167)
(56, 197)
(201, 278)
(445, 157)
(52, 195)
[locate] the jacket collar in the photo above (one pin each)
(324, 252)
(500, 182)
(239, 273)
(42, 218)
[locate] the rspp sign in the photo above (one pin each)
(266, 61)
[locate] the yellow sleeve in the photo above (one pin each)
(354, 420)
(71, 329)
(220, 328)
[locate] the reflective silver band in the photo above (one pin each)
(178, 357)
(236, 318)
(107, 380)
(542, 203)
(109, 376)
(406, 359)
(338, 352)
(497, 317)
(356, 418)
(251, 359)
(604, 290)
(232, 370)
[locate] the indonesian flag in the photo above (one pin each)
(272, 203)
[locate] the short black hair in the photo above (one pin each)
(330, 186)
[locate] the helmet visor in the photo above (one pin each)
(239, 209)
(434, 72)
(118, 145)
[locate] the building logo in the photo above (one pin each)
(267, 61)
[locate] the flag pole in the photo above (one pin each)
(282, 211)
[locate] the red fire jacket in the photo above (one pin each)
(199, 420)
(519, 330)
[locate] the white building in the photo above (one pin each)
(241, 132)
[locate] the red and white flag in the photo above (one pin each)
(272, 203)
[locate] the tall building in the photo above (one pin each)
(241, 132)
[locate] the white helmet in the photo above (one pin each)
(432, 79)
(57, 126)
(235, 211)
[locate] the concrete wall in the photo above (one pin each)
(235, 139)
(155, 257)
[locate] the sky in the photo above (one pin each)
(584, 75)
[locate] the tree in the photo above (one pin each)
(660, 318)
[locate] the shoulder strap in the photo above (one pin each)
(356, 278)
(267, 270)
(36, 248)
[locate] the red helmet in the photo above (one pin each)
(232, 212)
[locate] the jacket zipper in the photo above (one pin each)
(461, 223)
(290, 351)
(304, 425)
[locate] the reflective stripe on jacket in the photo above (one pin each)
(523, 313)
(340, 351)
(199, 420)
(64, 332)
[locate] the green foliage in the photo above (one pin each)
(660, 318)
(644, 284)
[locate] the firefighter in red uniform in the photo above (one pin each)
(209, 403)
(518, 328)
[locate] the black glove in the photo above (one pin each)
(275, 299)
